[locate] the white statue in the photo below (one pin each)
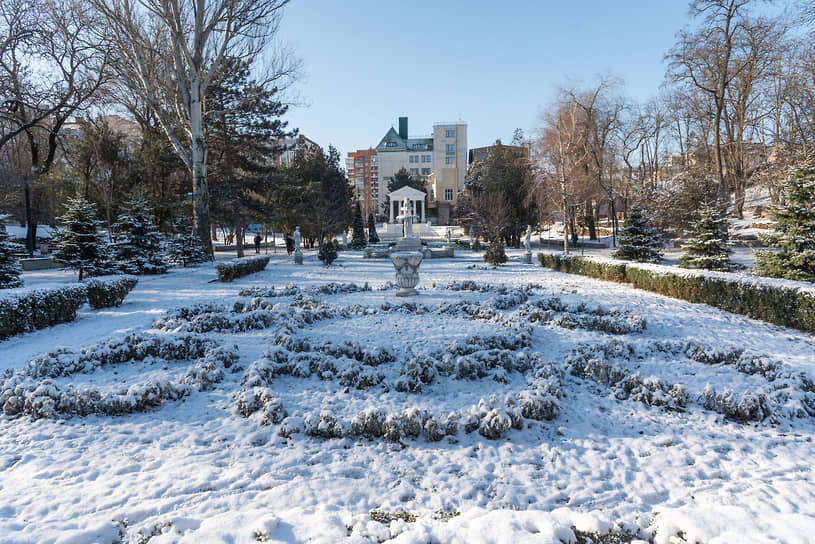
(528, 236)
(297, 239)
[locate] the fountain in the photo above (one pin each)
(407, 255)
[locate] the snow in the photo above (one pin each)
(196, 470)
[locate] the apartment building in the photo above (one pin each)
(362, 167)
(439, 160)
(288, 148)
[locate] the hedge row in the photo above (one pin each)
(238, 268)
(776, 304)
(41, 308)
(109, 292)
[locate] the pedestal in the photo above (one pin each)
(298, 257)
(528, 258)
(407, 271)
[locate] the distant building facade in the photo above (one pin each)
(438, 160)
(288, 148)
(362, 167)
(481, 153)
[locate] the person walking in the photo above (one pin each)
(257, 242)
(289, 244)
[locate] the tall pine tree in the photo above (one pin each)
(80, 245)
(9, 266)
(638, 240)
(793, 245)
(373, 237)
(358, 238)
(707, 248)
(138, 245)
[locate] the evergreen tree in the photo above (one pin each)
(638, 240)
(707, 247)
(9, 266)
(495, 253)
(373, 237)
(186, 247)
(138, 246)
(358, 237)
(794, 240)
(80, 245)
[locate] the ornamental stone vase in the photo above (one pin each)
(407, 271)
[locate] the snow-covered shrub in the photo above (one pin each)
(369, 423)
(327, 253)
(416, 372)
(109, 291)
(25, 392)
(590, 361)
(355, 375)
(39, 308)
(238, 268)
(260, 400)
(538, 405)
(743, 407)
(494, 424)
(324, 425)
(369, 355)
(779, 304)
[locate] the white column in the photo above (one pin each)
(422, 201)
(390, 211)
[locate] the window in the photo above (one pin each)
(451, 148)
(448, 195)
(425, 171)
(414, 158)
(449, 160)
(426, 158)
(450, 133)
(414, 171)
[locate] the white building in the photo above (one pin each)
(440, 160)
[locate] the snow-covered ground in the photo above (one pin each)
(637, 398)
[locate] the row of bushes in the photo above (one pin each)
(40, 308)
(778, 304)
(238, 268)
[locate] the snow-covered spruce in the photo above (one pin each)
(9, 265)
(47, 398)
(590, 361)
(137, 242)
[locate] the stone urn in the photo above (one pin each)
(407, 271)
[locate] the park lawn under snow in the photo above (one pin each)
(639, 444)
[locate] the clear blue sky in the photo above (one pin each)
(493, 64)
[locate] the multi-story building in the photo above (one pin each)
(362, 167)
(439, 160)
(288, 148)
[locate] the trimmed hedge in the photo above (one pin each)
(107, 292)
(776, 304)
(39, 308)
(238, 268)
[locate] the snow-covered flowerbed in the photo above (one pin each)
(310, 404)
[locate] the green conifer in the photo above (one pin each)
(638, 240)
(9, 265)
(358, 238)
(80, 245)
(707, 248)
(792, 253)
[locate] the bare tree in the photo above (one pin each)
(561, 157)
(188, 40)
(50, 69)
(705, 58)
